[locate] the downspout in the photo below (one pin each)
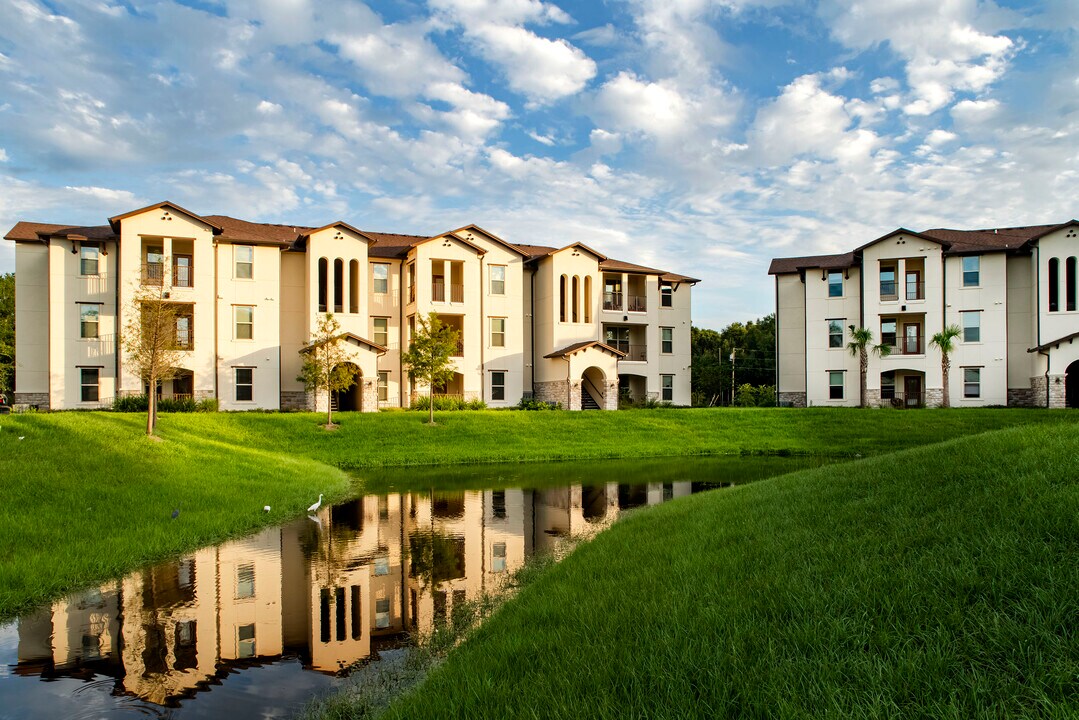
(401, 331)
(1038, 315)
(119, 319)
(483, 340)
(1046, 354)
(777, 342)
(805, 335)
(217, 358)
(569, 382)
(532, 324)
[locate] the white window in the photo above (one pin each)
(244, 317)
(835, 333)
(382, 565)
(245, 581)
(972, 326)
(245, 641)
(498, 385)
(498, 279)
(89, 315)
(245, 384)
(835, 384)
(383, 385)
(835, 284)
(382, 613)
(498, 332)
(667, 385)
(381, 274)
(971, 271)
(89, 379)
(972, 382)
(666, 336)
(245, 261)
(88, 259)
(498, 557)
(381, 331)
(666, 296)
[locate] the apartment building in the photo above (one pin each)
(1012, 291)
(564, 324)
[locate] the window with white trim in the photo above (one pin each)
(971, 270)
(245, 581)
(498, 279)
(666, 339)
(972, 382)
(245, 384)
(381, 331)
(383, 385)
(972, 326)
(498, 557)
(245, 641)
(89, 384)
(88, 259)
(835, 284)
(244, 255)
(666, 296)
(381, 274)
(667, 387)
(244, 317)
(498, 332)
(89, 316)
(835, 333)
(498, 385)
(835, 384)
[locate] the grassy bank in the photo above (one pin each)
(936, 582)
(86, 497)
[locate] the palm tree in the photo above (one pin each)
(944, 340)
(860, 344)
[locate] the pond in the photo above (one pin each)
(253, 628)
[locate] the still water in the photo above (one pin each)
(255, 627)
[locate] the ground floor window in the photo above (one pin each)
(89, 380)
(498, 558)
(245, 641)
(498, 385)
(383, 385)
(835, 384)
(382, 613)
(972, 382)
(667, 385)
(887, 386)
(245, 384)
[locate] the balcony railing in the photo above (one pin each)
(889, 290)
(153, 273)
(635, 353)
(438, 292)
(612, 301)
(902, 399)
(906, 345)
(637, 304)
(183, 276)
(185, 340)
(915, 291)
(459, 351)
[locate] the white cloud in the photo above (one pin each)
(631, 104)
(3, 155)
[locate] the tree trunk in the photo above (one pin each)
(945, 366)
(431, 408)
(863, 367)
(151, 408)
(329, 406)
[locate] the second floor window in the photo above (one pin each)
(185, 339)
(835, 333)
(153, 265)
(888, 290)
(244, 316)
(88, 321)
(666, 296)
(245, 262)
(381, 331)
(498, 279)
(245, 581)
(498, 332)
(972, 326)
(971, 271)
(88, 259)
(666, 336)
(381, 274)
(835, 284)
(887, 333)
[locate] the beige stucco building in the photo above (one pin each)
(1012, 291)
(567, 325)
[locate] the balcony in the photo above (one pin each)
(612, 301)
(438, 292)
(905, 345)
(902, 400)
(637, 303)
(915, 290)
(153, 273)
(634, 353)
(183, 276)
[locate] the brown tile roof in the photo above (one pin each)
(579, 346)
(34, 231)
(242, 231)
(782, 266)
(114, 221)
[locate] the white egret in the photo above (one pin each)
(317, 505)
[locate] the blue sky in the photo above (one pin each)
(698, 136)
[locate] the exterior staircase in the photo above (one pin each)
(587, 401)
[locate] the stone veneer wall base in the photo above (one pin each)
(38, 400)
(553, 391)
(296, 400)
(792, 399)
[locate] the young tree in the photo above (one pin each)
(149, 341)
(326, 363)
(7, 332)
(861, 343)
(428, 356)
(945, 340)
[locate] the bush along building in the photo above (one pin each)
(1011, 292)
(566, 325)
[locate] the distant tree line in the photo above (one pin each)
(7, 333)
(753, 345)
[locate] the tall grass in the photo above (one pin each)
(936, 582)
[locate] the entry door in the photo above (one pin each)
(914, 285)
(912, 390)
(912, 339)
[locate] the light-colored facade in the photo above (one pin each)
(1011, 291)
(567, 325)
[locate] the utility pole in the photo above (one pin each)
(733, 351)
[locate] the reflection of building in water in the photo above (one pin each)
(332, 592)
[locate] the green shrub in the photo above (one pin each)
(177, 405)
(447, 402)
(138, 403)
(130, 403)
(534, 404)
(755, 396)
(206, 405)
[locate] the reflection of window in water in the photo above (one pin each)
(245, 581)
(348, 516)
(155, 651)
(668, 491)
(593, 502)
(440, 605)
(415, 607)
(458, 605)
(382, 566)
(498, 563)
(324, 616)
(91, 647)
(382, 613)
(339, 600)
(448, 505)
(92, 598)
(186, 573)
(631, 496)
(498, 504)
(245, 641)
(383, 508)
(186, 637)
(357, 617)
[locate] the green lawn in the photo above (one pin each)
(935, 582)
(86, 496)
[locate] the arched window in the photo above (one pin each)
(353, 286)
(1054, 284)
(562, 299)
(576, 299)
(588, 298)
(338, 285)
(322, 267)
(1069, 283)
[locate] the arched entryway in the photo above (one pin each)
(1071, 385)
(593, 389)
(594, 502)
(350, 400)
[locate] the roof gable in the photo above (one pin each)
(339, 224)
(582, 346)
(447, 237)
(490, 236)
(580, 246)
(902, 231)
(114, 222)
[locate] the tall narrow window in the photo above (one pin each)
(183, 274)
(339, 615)
(835, 384)
(887, 333)
(666, 296)
(498, 279)
(244, 316)
(498, 332)
(562, 299)
(245, 581)
(381, 331)
(835, 333)
(153, 268)
(322, 281)
(338, 285)
(88, 259)
(89, 315)
(382, 613)
(383, 385)
(89, 379)
(887, 385)
(498, 385)
(185, 339)
(245, 384)
(380, 273)
(245, 641)
(666, 337)
(588, 298)
(245, 261)
(1069, 283)
(357, 617)
(498, 557)
(835, 284)
(412, 282)
(667, 387)
(971, 271)
(576, 298)
(1054, 284)
(972, 326)
(353, 286)
(888, 289)
(972, 382)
